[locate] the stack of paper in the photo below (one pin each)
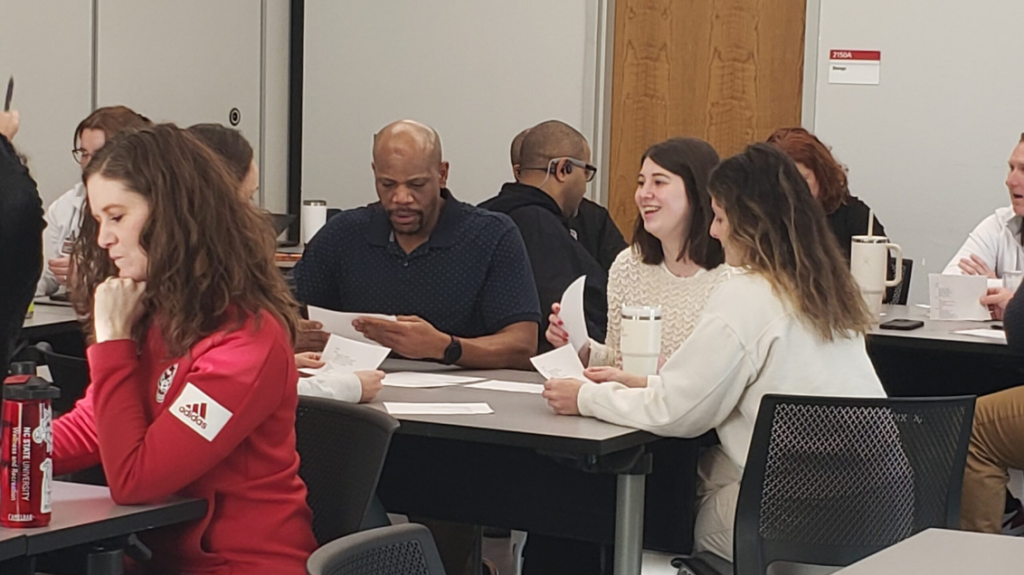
(996, 334)
(558, 363)
(340, 322)
(513, 386)
(401, 408)
(421, 380)
(343, 355)
(957, 297)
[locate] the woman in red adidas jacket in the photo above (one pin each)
(193, 379)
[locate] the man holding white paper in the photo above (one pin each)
(553, 173)
(456, 278)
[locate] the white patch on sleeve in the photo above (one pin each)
(199, 412)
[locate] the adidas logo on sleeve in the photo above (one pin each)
(200, 412)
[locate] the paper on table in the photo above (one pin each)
(996, 334)
(402, 408)
(340, 322)
(957, 297)
(415, 379)
(513, 386)
(560, 362)
(573, 320)
(342, 355)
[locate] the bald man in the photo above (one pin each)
(553, 176)
(594, 227)
(457, 277)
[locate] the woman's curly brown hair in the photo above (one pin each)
(211, 255)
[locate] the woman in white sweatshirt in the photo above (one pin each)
(792, 321)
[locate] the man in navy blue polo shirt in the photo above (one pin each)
(457, 277)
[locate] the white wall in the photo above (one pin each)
(478, 71)
(48, 49)
(186, 61)
(928, 148)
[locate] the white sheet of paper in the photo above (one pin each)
(340, 322)
(957, 297)
(560, 362)
(402, 408)
(414, 379)
(343, 355)
(513, 386)
(573, 320)
(996, 334)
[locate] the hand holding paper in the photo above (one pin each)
(573, 320)
(957, 297)
(346, 356)
(559, 363)
(340, 322)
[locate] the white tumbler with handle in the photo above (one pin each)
(314, 216)
(640, 342)
(869, 264)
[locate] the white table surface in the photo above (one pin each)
(944, 552)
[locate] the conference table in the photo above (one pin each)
(524, 467)
(85, 514)
(934, 360)
(943, 552)
(50, 319)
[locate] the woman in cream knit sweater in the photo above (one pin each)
(673, 262)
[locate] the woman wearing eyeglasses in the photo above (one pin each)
(64, 216)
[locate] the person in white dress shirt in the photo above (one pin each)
(791, 321)
(64, 215)
(997, 244)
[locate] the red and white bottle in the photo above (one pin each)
(26, 449)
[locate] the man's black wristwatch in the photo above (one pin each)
(453, 352)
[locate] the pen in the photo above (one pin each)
(10, 94)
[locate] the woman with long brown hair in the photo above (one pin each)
(791, 321)
(846, 214)
(193, 379)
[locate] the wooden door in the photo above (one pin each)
(728, 71)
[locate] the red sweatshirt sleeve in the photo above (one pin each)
(231, 388)
(75, 446)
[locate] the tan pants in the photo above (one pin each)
(718, 490)
(997, 444)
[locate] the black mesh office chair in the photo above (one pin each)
(829, 481)
(406, 549)
(341, 447)
(898, 294)
(69, 373)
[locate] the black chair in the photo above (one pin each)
(406, 549)
(829, 481)
(341, 448)
(70, 374)
(898, 294)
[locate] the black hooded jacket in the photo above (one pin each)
(557, 258)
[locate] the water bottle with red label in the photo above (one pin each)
(26, 449)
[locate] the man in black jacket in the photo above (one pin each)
(553, 173)
(21, 239)
(595, 229)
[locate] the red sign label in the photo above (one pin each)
(872, 55)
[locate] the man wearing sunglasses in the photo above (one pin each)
(554, 169)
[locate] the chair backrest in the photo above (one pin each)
(406, 549)
(69, 373)
(829, 481)
(898, 294)
(341, 448)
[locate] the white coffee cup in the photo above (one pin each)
(640, 342)
(314, 216)
(869, 264)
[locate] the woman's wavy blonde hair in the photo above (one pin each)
(784, 236)
(211, 255)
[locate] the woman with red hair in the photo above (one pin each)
(847, 215)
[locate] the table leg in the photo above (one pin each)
(629, 524)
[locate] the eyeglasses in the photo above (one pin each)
(590, 170)
(81, 155)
